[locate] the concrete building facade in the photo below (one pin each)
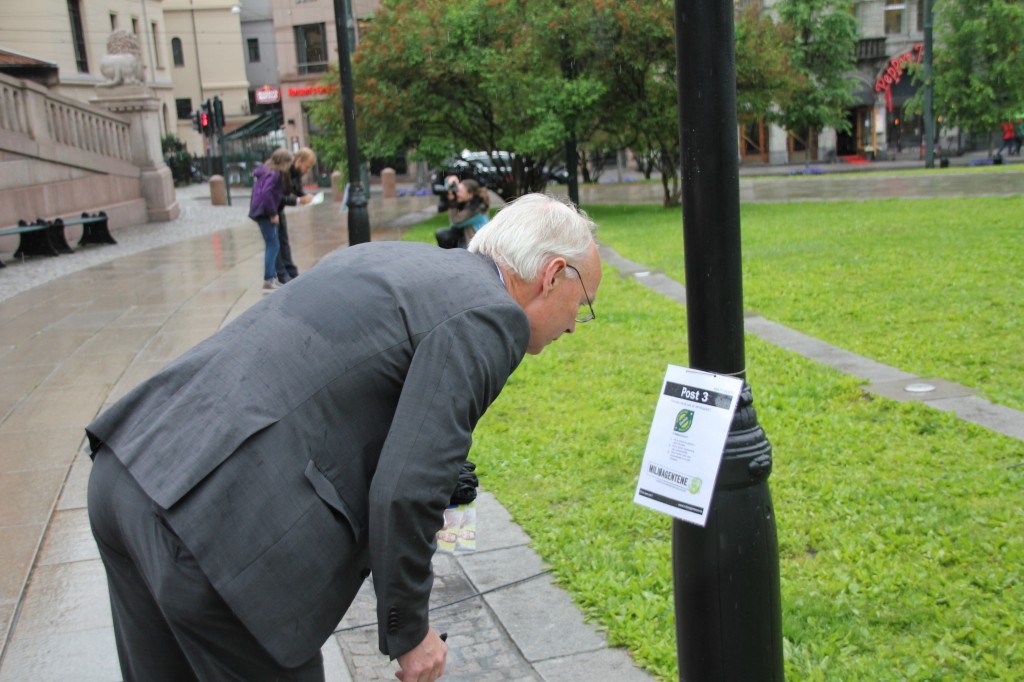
(207, 60)
(891, 32)
(307, 43)
(73, 35)
(260, 53)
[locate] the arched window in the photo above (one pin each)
(176, 51)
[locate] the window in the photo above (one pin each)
(156, 45)
(78, 35)
(177, 54)
(894, 17)
(113, 21)
(254, 49)
(184, 107)
(135, 25)
(920, 16)
(311, 48)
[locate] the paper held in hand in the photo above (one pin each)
(685, 445)
(459, 532)
(318, 198)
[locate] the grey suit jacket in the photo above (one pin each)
(320, 435)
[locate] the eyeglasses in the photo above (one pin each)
(582, 316)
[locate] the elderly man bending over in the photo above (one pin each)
(241, 496)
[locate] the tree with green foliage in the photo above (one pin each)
(485, 75)
(822, 55)
(177, 158)
(437, 77)
(631, 52)
(764, 74)
(978, 67)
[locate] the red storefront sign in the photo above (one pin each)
(267, 95)
(893, 72)
(312, 90)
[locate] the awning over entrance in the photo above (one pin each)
(266, 123)
(19, 65)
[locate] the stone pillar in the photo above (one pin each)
(218, 191)
(778, 147)
(827, 144)
(387, 183)
(142, 108)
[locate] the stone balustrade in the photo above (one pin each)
(40, 123)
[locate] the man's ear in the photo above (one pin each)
(549, 274)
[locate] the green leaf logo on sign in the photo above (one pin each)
(684, 420)
(695, 484)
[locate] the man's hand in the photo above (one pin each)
(425, 662)
(305, 199)
(273, 220)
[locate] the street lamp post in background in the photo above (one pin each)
(725, 575)
(929, 115)
(358, 216)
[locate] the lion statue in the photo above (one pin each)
(122, 65)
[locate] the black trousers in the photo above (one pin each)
(286, 269)
(170, 624)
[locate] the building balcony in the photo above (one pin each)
(870, 49)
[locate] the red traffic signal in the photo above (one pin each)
(206, 119)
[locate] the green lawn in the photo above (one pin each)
(933, 287)
(901, 529)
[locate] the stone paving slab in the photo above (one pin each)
(504, 616)
(915, 388)
(975, 409)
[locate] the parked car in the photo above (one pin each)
(489, 169)
(558, 176)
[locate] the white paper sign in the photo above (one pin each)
(318, 198)
(685, 445)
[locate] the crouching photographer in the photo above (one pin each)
(468, 204)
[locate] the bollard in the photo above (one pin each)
(387, 183)
(218, 191)
(337, 187)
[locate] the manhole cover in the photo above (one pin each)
(919, 388)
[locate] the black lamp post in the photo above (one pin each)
(358, 216)
(929, 115)
(725, 575)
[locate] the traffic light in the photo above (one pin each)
(205, 120)
(218, 113)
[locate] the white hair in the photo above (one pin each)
(533, 229)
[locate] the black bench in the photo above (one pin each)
(46, 238)
(37, 239)
(95, 229)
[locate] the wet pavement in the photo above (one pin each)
(94, 324)
(79, 330)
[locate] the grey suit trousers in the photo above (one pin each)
(169, 623)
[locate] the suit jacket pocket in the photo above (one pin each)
(327, 492)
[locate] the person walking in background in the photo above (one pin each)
(1018, 135)
(468, 204)
(1008, 135)
(241, 496)
(294, 194)
(267, 197)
